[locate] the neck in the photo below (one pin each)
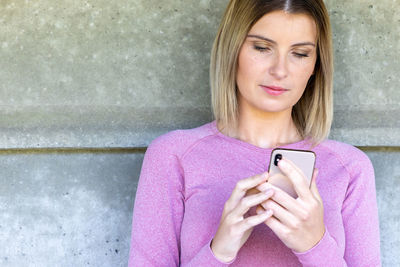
(264, 129)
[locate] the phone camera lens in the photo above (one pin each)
(278, 157)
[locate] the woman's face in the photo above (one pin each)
(276, 61)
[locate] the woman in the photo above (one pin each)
(203, 199)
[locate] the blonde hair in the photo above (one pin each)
(313, 113)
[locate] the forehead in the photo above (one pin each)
(280, 25)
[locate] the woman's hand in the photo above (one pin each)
(234, 228)
(299, 223)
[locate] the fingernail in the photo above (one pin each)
(282, 163)
(268, 192)
(264, 175)
(268, 212)
(265, 186)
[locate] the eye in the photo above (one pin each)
(300, 55)
(261, 48)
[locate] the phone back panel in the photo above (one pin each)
(303, 159)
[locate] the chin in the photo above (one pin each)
(274, 107)
(266, 105)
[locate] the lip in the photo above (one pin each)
(274, 90)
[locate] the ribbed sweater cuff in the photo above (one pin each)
(323, 253)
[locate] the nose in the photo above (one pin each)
(278, 68)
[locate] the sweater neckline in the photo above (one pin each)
(302, 144)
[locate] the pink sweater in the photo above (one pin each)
(187, 176)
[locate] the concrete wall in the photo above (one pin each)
(86, 85)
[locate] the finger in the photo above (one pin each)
(314, 188)
(296, 176)
(250, 201)
(282, 214)
(266, 186)
(241, 188)
(260, 209)
(252, 221)
(288, 202)
(276, 226)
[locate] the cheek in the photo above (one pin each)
(249, 68)
(242, 71)
(303, 74)
(244, 65)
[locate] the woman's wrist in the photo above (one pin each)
(220, 257)
(312, 247)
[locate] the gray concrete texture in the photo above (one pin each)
(74, 209)
(110, 74)
(80, 67)
(127, 69)
(67, 209)
(387, 171)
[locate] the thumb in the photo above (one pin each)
(314, 188)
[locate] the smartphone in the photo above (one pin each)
(303, 159)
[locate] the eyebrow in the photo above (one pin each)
(272, 41)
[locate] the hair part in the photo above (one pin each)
(313, 113)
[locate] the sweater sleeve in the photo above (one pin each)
(360, 220)
(159, 210)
